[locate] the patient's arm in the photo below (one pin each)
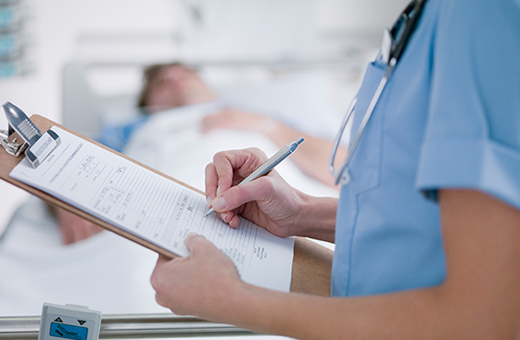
(312, 156)
(72, 227)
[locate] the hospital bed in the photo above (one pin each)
(299, 95)
(107, 272)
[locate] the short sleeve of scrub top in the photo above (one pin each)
(472, 138)
(448, 118)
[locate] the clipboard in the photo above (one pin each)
(312, 263)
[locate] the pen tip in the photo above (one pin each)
(209, 212)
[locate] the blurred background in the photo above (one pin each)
(115, 38)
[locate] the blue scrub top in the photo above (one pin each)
(448, 118)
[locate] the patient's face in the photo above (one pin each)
(177, 86)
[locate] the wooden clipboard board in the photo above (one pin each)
(312, 263)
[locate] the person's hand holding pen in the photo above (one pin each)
(267, 200)
(267, 166)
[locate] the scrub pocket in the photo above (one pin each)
(365, 164)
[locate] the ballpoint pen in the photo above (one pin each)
(264, 169)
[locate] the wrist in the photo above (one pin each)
(253, 310)
(239, 307)
(317, 218)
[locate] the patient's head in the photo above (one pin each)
(172, 85)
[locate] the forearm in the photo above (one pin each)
(419, 314)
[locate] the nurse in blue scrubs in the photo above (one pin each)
(427, 227)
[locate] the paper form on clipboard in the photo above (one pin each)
(154, 208)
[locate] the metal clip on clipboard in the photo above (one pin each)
(37, 146)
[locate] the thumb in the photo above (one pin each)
(193, 241)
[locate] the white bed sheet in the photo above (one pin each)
(105, 272)
(173, 142)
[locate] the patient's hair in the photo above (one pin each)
(149, 74)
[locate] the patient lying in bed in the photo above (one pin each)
(186, 126)
(169, 86)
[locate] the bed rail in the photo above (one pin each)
(128, 326)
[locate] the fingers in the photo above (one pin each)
(166, 268)
(230, 218)
(258, 190)
(213, 188)
(198, 283)
(192, 240)
(226, 171)
(219, 177)
(211, 182)
(199, 247)
(159, 280)
(229, 168)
